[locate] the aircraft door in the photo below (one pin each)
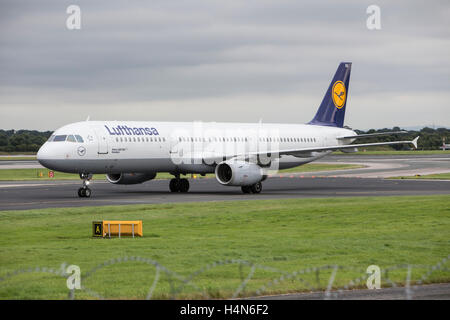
(174, 146)
(102, 142)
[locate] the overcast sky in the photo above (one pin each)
(222, 60)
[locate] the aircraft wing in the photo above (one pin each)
(368, 135)
(298, 152)
(348, 146)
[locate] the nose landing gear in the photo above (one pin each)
(84, 191)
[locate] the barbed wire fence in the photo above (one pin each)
(316, 273)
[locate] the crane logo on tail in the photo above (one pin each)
(339, 94)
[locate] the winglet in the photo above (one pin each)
(414, 142)
(88, 118)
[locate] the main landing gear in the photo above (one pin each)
(179, 185)
(254, 188)
(84, 191)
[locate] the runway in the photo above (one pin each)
(53, 194)
(367, 181)
(439, 291)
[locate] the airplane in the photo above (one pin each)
(239, 154)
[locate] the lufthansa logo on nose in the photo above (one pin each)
(339, 94)
(81, 151)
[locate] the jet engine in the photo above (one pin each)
(238, 173)
(129, 178)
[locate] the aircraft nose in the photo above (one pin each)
(51, 157)
(44, 156)
(41, 154)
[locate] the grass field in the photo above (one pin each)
(33, 174)
(4, 153)
(9, 158)
(322, 167)
(288, 235)
(439, 176)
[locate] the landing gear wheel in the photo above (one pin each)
(174, 185)
(87, 192)
(246, 189)
(256, 188)
(183, 185)
(84, 192)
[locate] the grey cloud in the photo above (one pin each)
(175, 53)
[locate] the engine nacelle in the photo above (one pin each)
(238, 173)
(129, 178)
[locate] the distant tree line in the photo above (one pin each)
(22, 140)
(430, 139)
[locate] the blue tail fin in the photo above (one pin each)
(332, 109)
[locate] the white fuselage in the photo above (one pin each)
(177, 147)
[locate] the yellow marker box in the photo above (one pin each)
(117, 228)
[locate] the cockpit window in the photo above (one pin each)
(51, 138)
(60, 138)
(79, 138)
(71, 138)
